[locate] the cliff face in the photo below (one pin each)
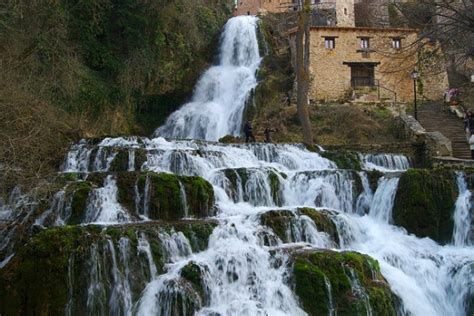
(95, 68)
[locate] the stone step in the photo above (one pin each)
(435, 117)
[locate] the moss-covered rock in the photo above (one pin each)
(275, 186)
(281, 222)
(373, 177)
(322, 220)
(284, 223)
(194, 274)
(57, 265)
(173, 197)
(121, 160)
(425, 202)
(80, 193)
(238, 179)
(343, 159)
(316, 273)
(35, 281)
(229, 139)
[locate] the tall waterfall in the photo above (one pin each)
(219, 98)
(244, 266)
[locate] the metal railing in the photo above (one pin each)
(387, 89)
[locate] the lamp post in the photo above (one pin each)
(414, 75)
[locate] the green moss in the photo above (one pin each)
(229, 139)
(165, 198)
(275, 187)
(323, 222)
(199, 196)
(80, 191)
(425, 202)
(140, 158)
(126, 182)
(343, 159)
(312, 268)
(120, 162)
(280, 222)
(35, 281)
(193, 273)
(70, 176)
(197, 232)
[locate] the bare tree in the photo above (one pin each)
(302, 70)
(448, 22)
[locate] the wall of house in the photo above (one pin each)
(432, 68)
(345, 13)
(245, 7)
(331, 78)
(258, 6)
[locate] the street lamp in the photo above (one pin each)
(414, 75)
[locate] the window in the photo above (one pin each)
(364, 42)
(345, 11)
(330, 42)
(396, 43)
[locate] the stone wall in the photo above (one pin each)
(254, 7)
(331, 77)
(345, 13)
(432, 69)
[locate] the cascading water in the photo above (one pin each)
(462, 214)
(217, 105)
(385, 162)
(244, 266)
(240, 275)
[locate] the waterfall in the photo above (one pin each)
(243, 268)
(135, 268)
(385, 162)
(364, 200)
(103, 206)
(217, 105)
(382, 204)
(462, 214)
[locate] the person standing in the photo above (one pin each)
(268, 134)
(471, 146)
(470, 123)
(248, 130)
(467, 124)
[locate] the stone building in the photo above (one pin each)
(254, 7)
(376, 63)
(344, 59)
(366, 63)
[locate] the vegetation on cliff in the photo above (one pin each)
(274, 99)
(284, 223)
(53, 271)
(346, 283)
(425, 202)
(92, 68)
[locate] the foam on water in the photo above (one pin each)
(217, 105)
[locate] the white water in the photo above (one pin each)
(385, 162)
(103, 207)
(430, 279)
(220, 94)
(382, 203)
(462, 214)
(240, 272)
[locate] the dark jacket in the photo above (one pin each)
(248, 128)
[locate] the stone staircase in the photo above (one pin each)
(434, 116)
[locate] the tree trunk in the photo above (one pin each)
(302, 71)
